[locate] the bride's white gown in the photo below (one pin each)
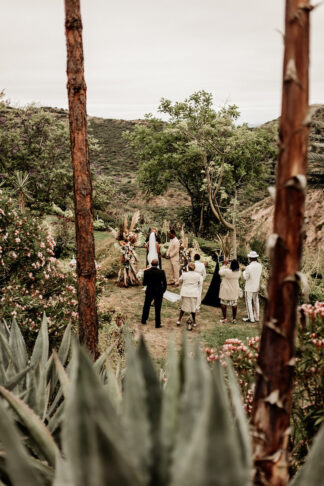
(152, 254)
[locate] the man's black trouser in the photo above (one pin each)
(149, 297)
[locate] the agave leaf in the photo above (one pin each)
(100, 363)
(65, 346)
(40, 351)
(37, 430)
(212, 455)
(170, 410)
(63, 377)
(18, 346)
(12, 382)
(93, 440)
(240, 418)
(19, 468)
(113, 388)
(154, 405)
(56, 419)
(190, 406)
(63, 354)
(55, 402)
(6, 354)
(312, 472)
(3, 375)
(4, 329)
(135, 412)
(63, 473)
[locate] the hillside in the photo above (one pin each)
(257, 220)
(117, 160)
(316, 147)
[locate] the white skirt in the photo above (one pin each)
(189, 304)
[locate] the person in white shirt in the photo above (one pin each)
(190, 291)
(201, 269)
(252, 276)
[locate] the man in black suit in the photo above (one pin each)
(156, 285)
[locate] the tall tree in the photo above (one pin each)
(86, 270)
(272, 400)
(204, 150)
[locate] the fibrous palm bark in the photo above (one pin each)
(86, 270)
(272, 400)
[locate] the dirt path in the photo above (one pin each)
(130, 301)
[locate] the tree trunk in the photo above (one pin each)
(86, 270)
(234, 234)
(273, 394)
(201, 220)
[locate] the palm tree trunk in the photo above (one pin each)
(273, 394)
(86, 270)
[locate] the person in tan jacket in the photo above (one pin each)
(173, 255)
(229, 288)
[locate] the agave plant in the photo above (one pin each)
(191, 430)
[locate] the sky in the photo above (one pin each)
(138, 51)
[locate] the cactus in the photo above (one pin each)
(191, 430)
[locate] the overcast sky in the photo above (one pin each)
(138, 51)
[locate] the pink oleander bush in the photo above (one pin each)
(308, 400)
(31, 280)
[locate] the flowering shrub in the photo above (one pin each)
(308, 404)
(308, 399)
(244, 358)
(31, 282)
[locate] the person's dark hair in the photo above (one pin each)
(234, 266)
(191, 267)
(154, 263)
(172, 232)
(197, 256)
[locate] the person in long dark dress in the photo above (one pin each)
(212, 296)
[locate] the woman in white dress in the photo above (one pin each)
(153, 249)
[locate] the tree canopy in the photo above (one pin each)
(204, 150)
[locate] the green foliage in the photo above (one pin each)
(64, 235)
(87, 432)
(36, 142)
(196, 137)
(99, 224)
(31, 281)
(308, 407)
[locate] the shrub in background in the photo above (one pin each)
(64, 235)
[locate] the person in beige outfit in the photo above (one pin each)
(173, 255)
(190, 292)
(229, 289)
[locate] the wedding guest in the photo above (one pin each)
(229, 288)
(252, 276)
(173, 256)
(190, 291)
(155, 282)
(201, 269)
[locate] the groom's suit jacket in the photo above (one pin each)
(155, 281)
